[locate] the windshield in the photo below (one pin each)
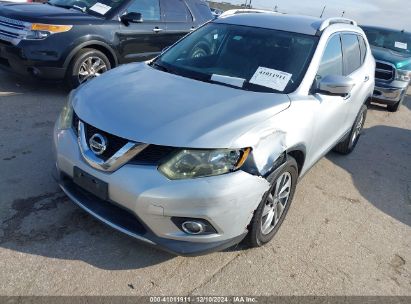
(389, 39)
(249, 58)
(93, 7)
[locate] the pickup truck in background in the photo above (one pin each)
(392, 52)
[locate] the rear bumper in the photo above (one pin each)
(128, 223)
(390, 93)
(13, 59)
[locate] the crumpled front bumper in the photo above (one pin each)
(142, 201)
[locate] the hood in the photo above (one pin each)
(145, 105)
(401, 61)
(44, 13)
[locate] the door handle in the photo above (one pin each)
(366, 78)
(192, 28)
(157, 30)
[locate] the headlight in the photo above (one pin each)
(65, 119)
(403, 75)
(200, 163)
(40, 31)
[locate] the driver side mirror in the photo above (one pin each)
(335, 85)
(131, 18)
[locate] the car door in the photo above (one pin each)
(179, 19)
(330, 111)
(354, 57)
(145, 40)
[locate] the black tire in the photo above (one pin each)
(395, 107)
(255, 236)
(73, 77)
(348, 144)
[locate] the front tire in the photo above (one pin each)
(349, 143)
(86, 65)
(395, 107)
(274, 205)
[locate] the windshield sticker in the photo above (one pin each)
(100, 8)
(234, 81)
(276, 80)
(401, 45)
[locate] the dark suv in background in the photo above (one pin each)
(392, 52)
(77, 40)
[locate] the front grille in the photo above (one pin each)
(12, 30)
(114, 143)
(384, 71)
(151, 156)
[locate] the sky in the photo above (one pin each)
(388, 13)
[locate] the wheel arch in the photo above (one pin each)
(298, 153)
(97, 45)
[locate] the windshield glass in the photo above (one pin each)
(93, 7)
(389, 39)
(249, 58)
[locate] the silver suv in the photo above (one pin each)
(203, 146)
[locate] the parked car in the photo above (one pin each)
(79, 40)
(392, 51)
(193, 153)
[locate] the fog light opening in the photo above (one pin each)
(192, 227)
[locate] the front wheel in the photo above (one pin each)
(395, 107)
(274, 205)
(86, 65)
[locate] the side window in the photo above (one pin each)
(176, 11)
(363, 48)
(149, 9)
(332, 61)
(352, 54)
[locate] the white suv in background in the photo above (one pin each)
(203, 146)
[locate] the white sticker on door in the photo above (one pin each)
(401, 45)
(270, 78)
(100, 8)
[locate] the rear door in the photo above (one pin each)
(179, 19)
(355, 52)
(142, 41)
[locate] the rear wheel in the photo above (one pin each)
(274, 206)
(349, 143)
(86, 65)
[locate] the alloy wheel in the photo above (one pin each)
(276, 203)
(90, 68)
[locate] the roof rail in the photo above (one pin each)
(327, 22)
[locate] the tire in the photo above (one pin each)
(395, 107)
(84, 58)
(201, 49)
(256, 236)
(349, 143)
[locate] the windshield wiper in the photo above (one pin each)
(79, 8)
(159, 66)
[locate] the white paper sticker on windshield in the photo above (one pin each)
(234, 81)
(401, 45)
(100, 8)
(270, 78)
